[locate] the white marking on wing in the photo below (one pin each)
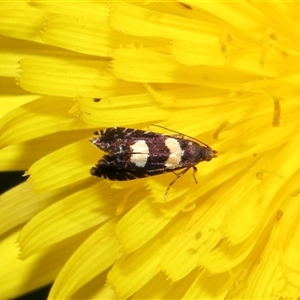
(141, 153)
(176, 153)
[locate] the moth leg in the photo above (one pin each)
(177, 177)
(194, 172)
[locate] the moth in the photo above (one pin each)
(133, 153)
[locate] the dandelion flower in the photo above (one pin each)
(225, 73)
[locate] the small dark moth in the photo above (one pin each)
(133, 153)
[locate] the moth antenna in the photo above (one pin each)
(181, 134)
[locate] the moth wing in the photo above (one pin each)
(117, 140)
(113, 133)
(120, 168)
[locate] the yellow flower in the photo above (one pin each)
(225, 73)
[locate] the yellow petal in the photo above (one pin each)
(48, 76)
(63, 167)
(76, 213)
(80, 34)
(127, 110)
(204, 286)
(277, 270)
(190, 241)
(139, 21)
(19, 20)
(140, 224)
(19, 277)
(22, 156)
(95, 289)
(93, 257)
(31, 121)
(143, 65)
(94, 9)
(7, 105)
(16, 210)
(132, 271)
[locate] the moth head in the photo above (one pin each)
(210, 154)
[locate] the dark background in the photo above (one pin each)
(9, 180)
